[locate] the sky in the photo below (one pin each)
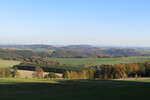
(74, 22)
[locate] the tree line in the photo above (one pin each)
(39, 61)
(101, 72)
(47, 65)
(94, 72)
(111, 71)
(50, 68)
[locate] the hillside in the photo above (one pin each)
(72, 51)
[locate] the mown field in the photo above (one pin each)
(99, 61)
(8, 63)
(42, 89)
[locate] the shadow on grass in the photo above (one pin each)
(75, 90)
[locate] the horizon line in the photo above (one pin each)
(15, 44)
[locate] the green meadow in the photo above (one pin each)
(8, 63)
(99, 61)
(44, 89)
(88, 61)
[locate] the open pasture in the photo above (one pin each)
(46, 89)
(29, 74)
(8, 63)
(99, 61)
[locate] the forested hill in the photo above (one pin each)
(71, 51)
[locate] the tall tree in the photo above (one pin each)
(90, 73)
(106, 71)
(119, 70)
(38, 73)
(15, 72)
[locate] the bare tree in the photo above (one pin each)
(38, 73)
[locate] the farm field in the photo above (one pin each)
(42, 89)
(99, 61)
(29, 74)
(8, 63)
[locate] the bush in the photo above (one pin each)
(52, 75)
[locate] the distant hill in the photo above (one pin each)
(80, 46)
(70, 51)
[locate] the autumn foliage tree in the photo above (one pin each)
(38, 73)
(75, 75)
(82, 74)
(132, 69)
(119, 71)
(67, 75)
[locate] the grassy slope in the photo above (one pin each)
(33, 89)
(8, 63)
(99, 61)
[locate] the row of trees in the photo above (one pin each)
(51, 68)
(38, 73)
(101, 72)
(111, 71)
(123, 70)
(39, 61)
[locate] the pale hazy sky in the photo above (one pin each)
(56, 22)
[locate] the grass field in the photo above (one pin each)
(8, 63)
(29, 74)
(99, 61)
(34, 89)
